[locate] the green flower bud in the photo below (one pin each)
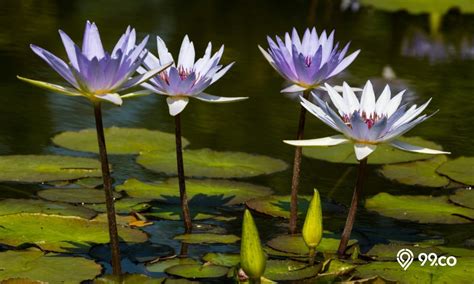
(313, 224)
(252, 257)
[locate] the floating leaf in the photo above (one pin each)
(460, 273)
(123, 206)
(59, 233)
(463, 197)
(460, 170)
(119, 140)
(287, 270)
(419, 208)
(384, 154)
(128, 279)
(200, 192)
(417, 173)
(14, 206)
(75, 195)
(135, 252)
(41, 168)
(174, 212)
(203, 238)
(123, 220)
(421, 6)
(50, 268)
(296, 245)
(224, 259)
(209, 163)
(194, 271)
(162, 265)
(89, 182)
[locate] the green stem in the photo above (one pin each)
(295, 181)
(182, 180)
(312, 254)
(255, 280)
(109, 199)
(346, 234)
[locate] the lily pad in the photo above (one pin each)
(209, 163)
(50, 268)
(135, 252)
(128, 279)
(41, 168)
(463, 197)
(89, 182)
(419, 208)
(119, 140)
(162, 265)
(384, 154)
(75, 195)
(287, 270)
(203, 238)
(14, 206)
(460, 273)
(123, 206)
(224, 259)
(417, 173)
(194, 271)
(174, 212)
(278, 205)
(200, 192)
(421, 6)
(59, 233)
(460, 170)
(296, 245)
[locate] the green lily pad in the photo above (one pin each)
(173, 212)
(421, 209)
(384, 154)
(14, 206)
(209, 163)
(421, 6)
(162, 265)
(417, 173)
(41, 168)
(295, 244)
(203, 238)
(119, 140)
(194, 271)
(200, 192)
(122, 206)
(224, 259)
(89, 182)
(463, 197)
(460, 273)
(460, 170)
(59, 233)
(49, 268)
(338, 267)
(128, 279)
(142, 252)
(278, 205)
(75, 195)
(287, 270)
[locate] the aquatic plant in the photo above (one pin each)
(252, 256)
(185, 79)
(366, 123)
(306, 64)
(98, 75)
(313, 226)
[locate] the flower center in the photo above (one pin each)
(370, 119)
(183, 73)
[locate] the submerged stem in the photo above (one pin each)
(295, 181)
(109, 199)
(346, 234)
(312, 255)
(182, 181)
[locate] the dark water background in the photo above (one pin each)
(30, 117)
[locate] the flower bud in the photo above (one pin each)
(252, 257)
(313, 224)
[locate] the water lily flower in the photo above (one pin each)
(188, 78)
(366, 122)
(308, 62)
(94, 73)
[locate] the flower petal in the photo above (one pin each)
(112, 97)
(71, 48)
(216, 99)
(326, 141)
(367, 101)
(417, 149)
(52, 87)
(141, 93)
(221, 72)
(363, 150)
(176, 104)
(144, 77)
(92, 45)
(293, 89)
(344, 63)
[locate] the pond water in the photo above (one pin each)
(30, 116)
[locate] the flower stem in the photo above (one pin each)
(182, 181)
(109, 199)
(312, 254)
(255, 280)
(295, 182)
(346, 234)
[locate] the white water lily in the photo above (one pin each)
(366, 122)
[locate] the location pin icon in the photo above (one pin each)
(405, 258)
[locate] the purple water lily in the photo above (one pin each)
(308, 62)
(187, 78)
(93, 72)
